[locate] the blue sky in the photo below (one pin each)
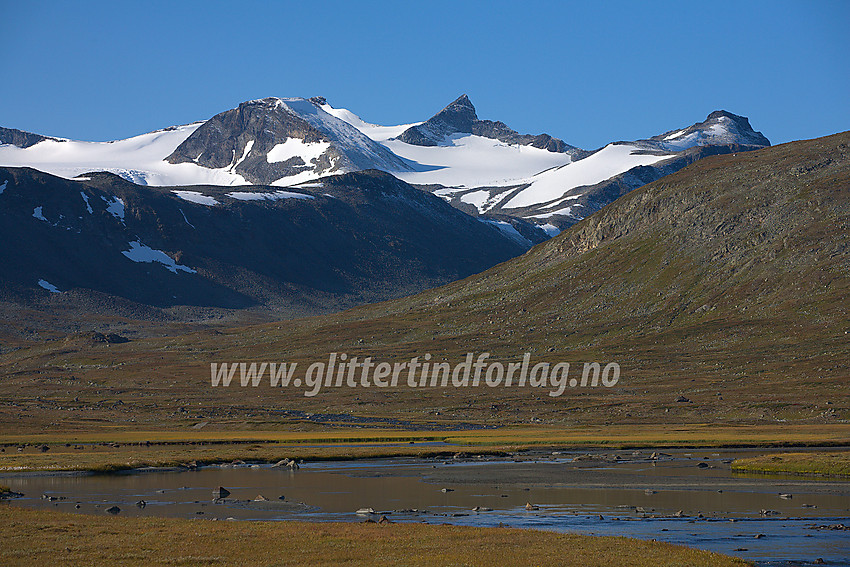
(588, 73)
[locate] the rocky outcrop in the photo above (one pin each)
(460, 118)
(20, 138)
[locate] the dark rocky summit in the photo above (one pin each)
(460, 118)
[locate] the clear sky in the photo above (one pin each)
(588, 73)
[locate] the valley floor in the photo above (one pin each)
(45, 537)
(110, 449)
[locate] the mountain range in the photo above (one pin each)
(285, 207)
(482, 167)
(720, 290)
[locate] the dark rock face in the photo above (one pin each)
(460, 118)
(20, 138)
(360, 237)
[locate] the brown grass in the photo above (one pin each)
(32, 537)
(816, 464)
(98, 451)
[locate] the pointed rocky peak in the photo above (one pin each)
(456, 118)
(461, 110)
(460, 118)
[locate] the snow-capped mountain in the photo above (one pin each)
(480, 166)
(720, 128)
(487, 169)
(269, 141)
(281, 142)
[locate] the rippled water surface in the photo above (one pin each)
(686, 497)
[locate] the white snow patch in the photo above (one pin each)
(508, 230)
(314, 185)
(674, 135)
(297, 179)
(36, 212)
(550, 229)
(48, 286)
(570, 198)
(611, 160)
(564, 211)
(245, 152)
(86, 199)
(184, 217)
(138, 252)
(295, 147)
(196, 197)
(246, 196)
(477, 198)
(115, 207)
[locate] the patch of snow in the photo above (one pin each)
(315, 185)
(550, 229)
(36, 212)
(86, 199)
(477, 198)
(295, 147)
(184, 217)
(508, 230)
(611, 160)
(564, 212)
(297, 179)
(570, 198)
(138, 252)
(250, 196)
(674, 135)
(48, 286)
(115, 207)
(196, 197)
(245, 152)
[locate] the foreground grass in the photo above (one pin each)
(33, 537)
(120, 449)
(821, 464)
